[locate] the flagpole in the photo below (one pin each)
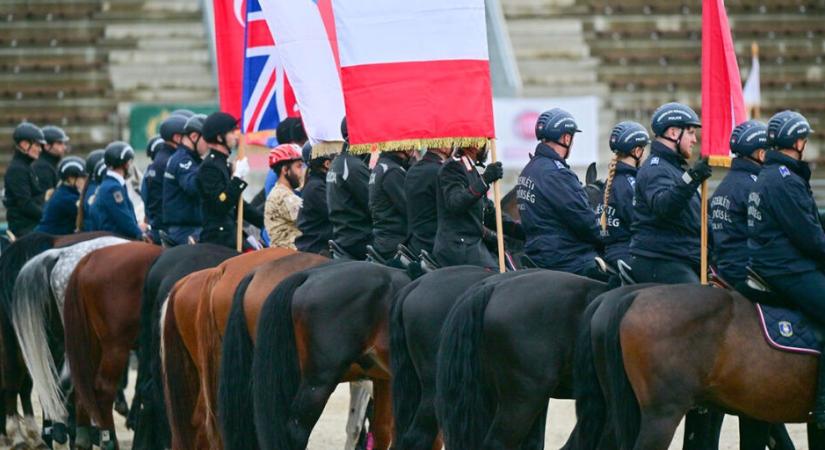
(499, 222)
(703, 274)
(757, 108)
(239, 227)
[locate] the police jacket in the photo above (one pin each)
(113, 210)
(667, 211)
(23, 197)
(784, 232)
(45, 167)
(420, 187)
(60, 212)
(619, 214)
(561, 228)
(181, 200)
(729, 219)
(313, 220)
(388, 204)
(219, 195)
(89, 223)
(348, 200)
(153, 178)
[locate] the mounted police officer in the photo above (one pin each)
(388, 202)
(729, 204)
(220, 188)
(313, 219)
(53, 151)
(23, 196)
(665, 244)
(421, 190)
(60, 213)
(95, 171)
(348, 200)
(171, 131)
(282, 203)
(461, 237)
(627, 142)
(113, 211)
(181, 202)
(786, 241)
(561, 228)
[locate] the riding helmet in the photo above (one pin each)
(748, 137)
(628, 135)
(93, 158)
(71, 166)
(218, 124)
(786, 127)
(673, 115)
(28, 131)
(555, 123)
(182, 112)
(118, 153)
(152, 146)
(284, 153)
(54, 134)
(171, 126)
(195, 124)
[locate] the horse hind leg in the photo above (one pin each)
(657, 429)
(360, 393)
(114, 359)
(307, 406)
(14, 432)
(514, 421)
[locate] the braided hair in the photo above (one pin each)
(608, 187)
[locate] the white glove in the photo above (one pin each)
(241, 168)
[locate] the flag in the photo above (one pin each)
(267, 94)
(414, 73)
(229, 45)
(752, 90)
(723, 106)
(305, 35)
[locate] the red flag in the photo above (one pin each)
(229, 48)
(722, 104)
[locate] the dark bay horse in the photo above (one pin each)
(507, 346)
(102, 324)
(667, 349)
(148, 414)
(318, 328)
(235, 387)
(195, 318)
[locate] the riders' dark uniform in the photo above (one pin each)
(388, 204)
(181, 199)
(348, 203)
(421, 187)
(313, 220)
(729, 220)
(45, 167)
(219, 194)
(113, 209)
(459, 239)
(60, 213)
(23, 197)
(561, 228)
(620, 214)
(154, 186)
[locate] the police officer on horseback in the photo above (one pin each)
(171, 131)
(388, 202)
(23, 195)
(421, 190)
(113, 210)
(53, 151)
(561, 228)
(60, 213)
(665, 244)
(786, 240)
(95, 170)
(181, 202)
(313, 219)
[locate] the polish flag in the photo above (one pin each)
(414, 73)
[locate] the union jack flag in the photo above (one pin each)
(267, 94)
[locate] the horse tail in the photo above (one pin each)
(625, 406)
(235, 414)
(463, 404)
(209, 347)
(30, 308)
(79, 345)
(276, 371)
(406, 388)
(591, 408)
(178, 372)
(15, 257)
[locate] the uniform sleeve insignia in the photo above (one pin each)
(631, 181)
(118, 196)
(222, 197)
(186, 165)
(654, 161)
(559, 164)
(784, 171)
(754, 177)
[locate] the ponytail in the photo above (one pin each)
(608, 186)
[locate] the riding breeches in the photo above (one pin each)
(655, 270)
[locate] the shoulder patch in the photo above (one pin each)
(654, 161)
(118, 196)
(631, 181)
(754, 177)
(186, 165)
(784, 171)
(559, 164)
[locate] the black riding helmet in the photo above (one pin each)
(28, 131)
(54, 134)
(91, 161)
(786, 127)
(748, 137)
(71, 166)
(118, 153)
(182, 112)
(628, 135)
(194, 124)
(217, 125)
(152, 146)
(171, 126)
(555, 123)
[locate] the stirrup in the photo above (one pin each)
(605, 267)
(527, 263)
(404, 252)
(337, 252)
(374, 257)
(428, 264)
(625, 272)
(165, 240)
(756, 282)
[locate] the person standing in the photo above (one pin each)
(282, 204)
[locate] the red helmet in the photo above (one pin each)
(284, 152)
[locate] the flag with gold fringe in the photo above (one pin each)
(415, 74)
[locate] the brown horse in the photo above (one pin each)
(102, 322)
(195, 317)
(663, 350)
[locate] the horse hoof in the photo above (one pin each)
(122, 408)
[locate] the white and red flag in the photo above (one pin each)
(414, 73)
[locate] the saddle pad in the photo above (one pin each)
(789, 330)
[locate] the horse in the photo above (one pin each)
(723, 361)
(101, 327)
(506, 347)
(234, 390)
(318, 328)
(148, 414)
(193, 321)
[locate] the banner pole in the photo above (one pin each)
(499, 222)
(239, 226)
(704, 237)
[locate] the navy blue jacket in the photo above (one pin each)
(561, 228)
(89, 223)
(113, 210)
(784, 233)
(313, 220)
(729, 220)
(60, 213)
(153, 178)
(619, 214)
(388, 204)
(181, 198)
(667, 211)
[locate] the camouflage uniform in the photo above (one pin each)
(281, 216)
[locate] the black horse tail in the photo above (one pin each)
(15, 257)
(626, 415)
(463, 404)
(235, 414)
(406, 388)
(276, 371)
